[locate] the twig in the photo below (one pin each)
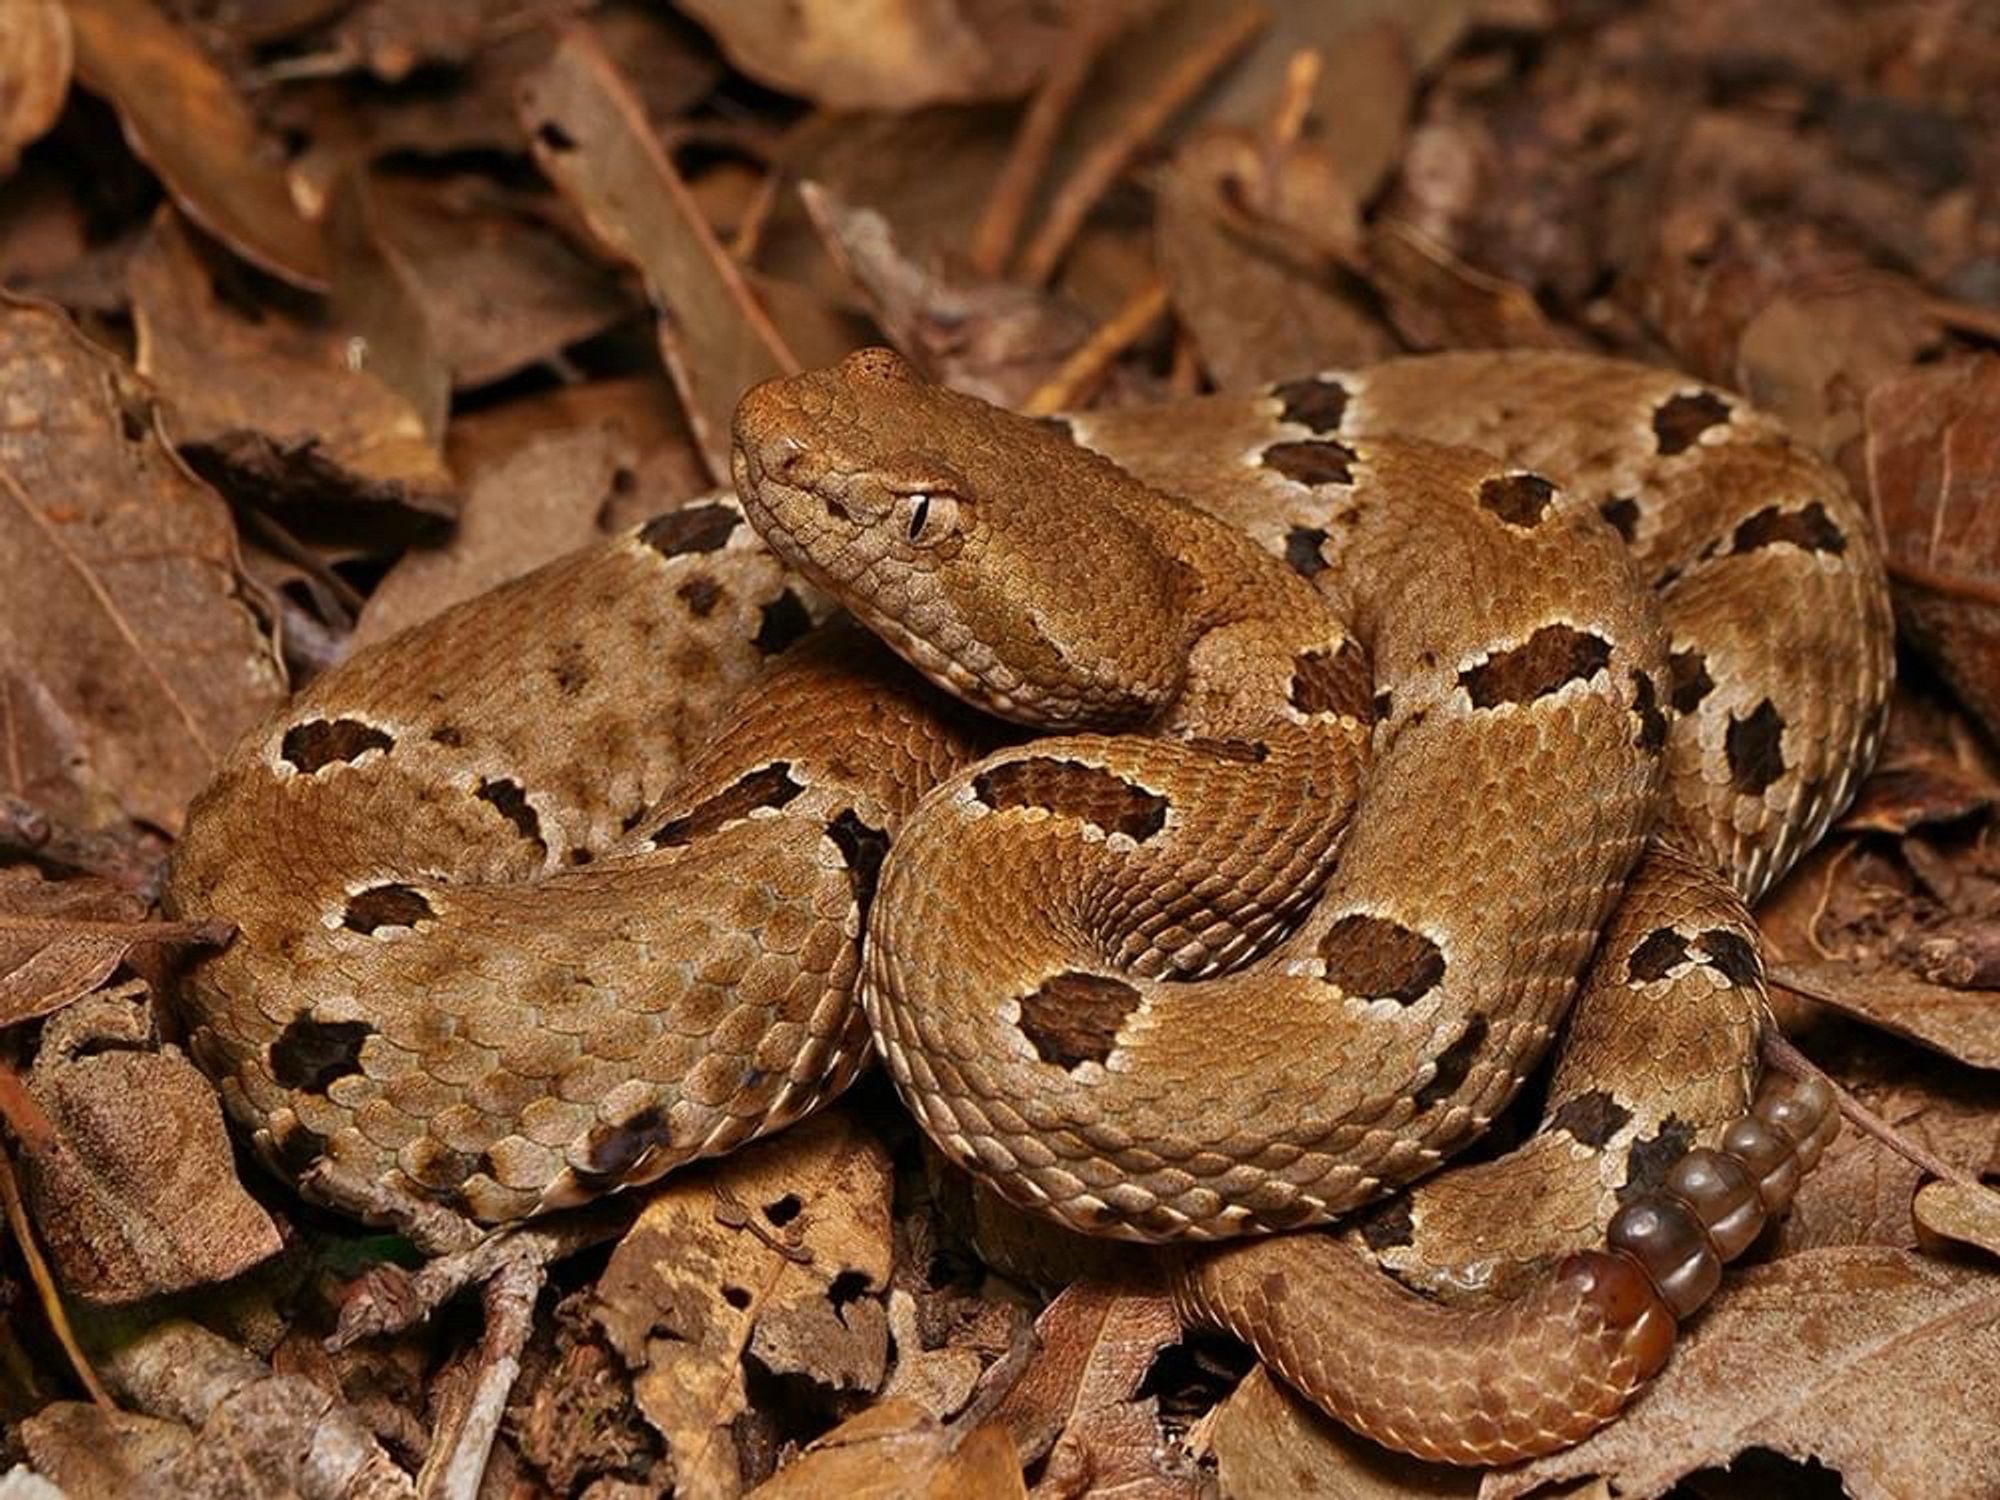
(1779, 1053)
(1078, 375)
(457, 1461)
(45, 1286)
(1014, 189)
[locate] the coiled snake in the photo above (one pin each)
(1393, 721)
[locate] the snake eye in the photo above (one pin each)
(929, 516)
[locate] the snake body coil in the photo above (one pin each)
(1399, 719)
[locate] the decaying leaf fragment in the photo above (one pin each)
(59, 940)
(273, 405)
(592, 138)
(188, 122)
(781, 1251)
(1271, 1445)
(136, 1195)
(896, 1450)
(129, 656)
(35, 57)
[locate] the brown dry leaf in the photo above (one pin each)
(1916, 794)
(1967, 1212)
(592, 139)
(59, 940)
(499, 291)
(1438, 301)
(1964, 1024)
(94, 1453)
(1933, 463)
(1811, 355)
(1270, 1445)
(892, 54)
(896, 1450)
(1796, 1357)
(393, 38)
(1074, 1404)
(136, 1196)
(781, 1252)
(273, 405)
(129, 658)
(187, 122)
(35, 58)
(1256, 314)
(994, 339)
(543, 500)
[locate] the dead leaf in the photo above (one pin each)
(137, 1195)
(1963, 1211)
(59, 940)
(896, 1449)
(394, 38)
(1438, 301)
(35, 58)
(1074, 1404)
(129, 658)
(95, 1453)
(592, 139)
(1964, 1024)
(273, 406)
(544, 500)
(780, 1252)
(1270, 1445)
(1795, 1357)
(994, 339)
(186, 120)
(891, 54)
(1932, 465)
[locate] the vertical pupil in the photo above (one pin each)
(919, 516)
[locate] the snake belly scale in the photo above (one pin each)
(1387, 720)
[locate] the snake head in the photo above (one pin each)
(987, 548)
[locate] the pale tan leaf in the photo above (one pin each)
(1270, 1445)
(186, 120)
(781, 1251)
(35, 59)
(1964, 1024)
(59, 940)
(896, 1450)
(592, 138)
(1968, 1212)
(1796, 1357)
(129, 658)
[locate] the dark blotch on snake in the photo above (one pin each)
(298, 1148)
(1073, 790)
(1648, 1161)
(862, 848)
(1552, 656)
(1810, 528)
(1074, 1017)
(1690, 682)
(1680, 420)
(1454, 1064)
(1591, 1118)
(693, 528)
(1622, 512)
(1302, 544)
(609, 1151)
(311, 1054)
(767, 786)
(390, 905)
(1754, 747)
(1316, 404)
(784, 620)
(1734, 955)
(1662, 951)
(1517, 499)
(319, 743)
(1652, 735)
(700, 595)
(1375, 959)
(506, 798)
(1316, 461)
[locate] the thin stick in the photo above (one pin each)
(45, 1285)
(1078, 375)
(1014, 189)
(1779, 1053)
